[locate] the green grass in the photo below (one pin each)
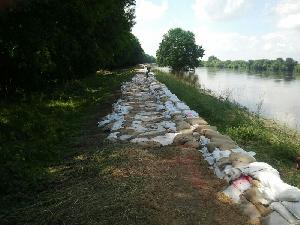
(273, 143)
(44, 129)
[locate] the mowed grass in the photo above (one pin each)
(39, 132)
(273, 143)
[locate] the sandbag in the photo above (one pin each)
(217, 154)
(202, 128)
(274, 218)
(278, 207)
(212, 133)
(271, 183)
(290, 195)
(232, 174)
(254, 195)
(236, 160)
(242, 183)
(293, 207)
(195, 121)
(250, 210)
(222, 162)
(211, 146)
(223, 142)
(233, 193)
(240, 159)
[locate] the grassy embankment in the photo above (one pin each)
(273, 143)
(41, 132)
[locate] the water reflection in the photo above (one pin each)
(188, 77)
(274, 95)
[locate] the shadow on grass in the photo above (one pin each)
(44, 130)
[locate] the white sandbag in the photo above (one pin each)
(166, 139)
(138, 140)
(204, 141)
(218, 154)
(125, 137)
(182, 106)
(191, 114)
(169, 125)
(103, 123)
(118, 124)
(113, 136)
(219, 173)
(240, 150)
(274, 219)
(242, 183)
(233, 193)
(210, 160)
(278, 207)
(137, 126)
(232, 174)
(293, 207)
(271, 183)
(290, 195)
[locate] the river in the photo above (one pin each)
(274, 96)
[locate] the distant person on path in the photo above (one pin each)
(148, 67)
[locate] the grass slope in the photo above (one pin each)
(273, 143)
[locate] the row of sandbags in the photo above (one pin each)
(149, 107)
(256, 186)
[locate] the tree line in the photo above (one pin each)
(45, 42)
(279, 64)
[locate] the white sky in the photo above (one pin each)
(228, 29)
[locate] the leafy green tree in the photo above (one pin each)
(44, 42)
(179, 50)
(149, 59)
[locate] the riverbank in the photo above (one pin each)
(273, 143)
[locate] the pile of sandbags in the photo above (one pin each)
(147, 112)
(256, 186)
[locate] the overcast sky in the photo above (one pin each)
(228, 29)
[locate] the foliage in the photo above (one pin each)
(297, 68)
(179, 50)
(279, 64)
(272, 143)
(149, 59)
(130, 53)
(43, 42)
(41, 131)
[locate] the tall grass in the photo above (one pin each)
(42, 129)
(273, 143)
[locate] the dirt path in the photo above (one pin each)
(133, 183)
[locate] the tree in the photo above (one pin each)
(288, 65)
(149, 59)
(179, 50)
(44, 42)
